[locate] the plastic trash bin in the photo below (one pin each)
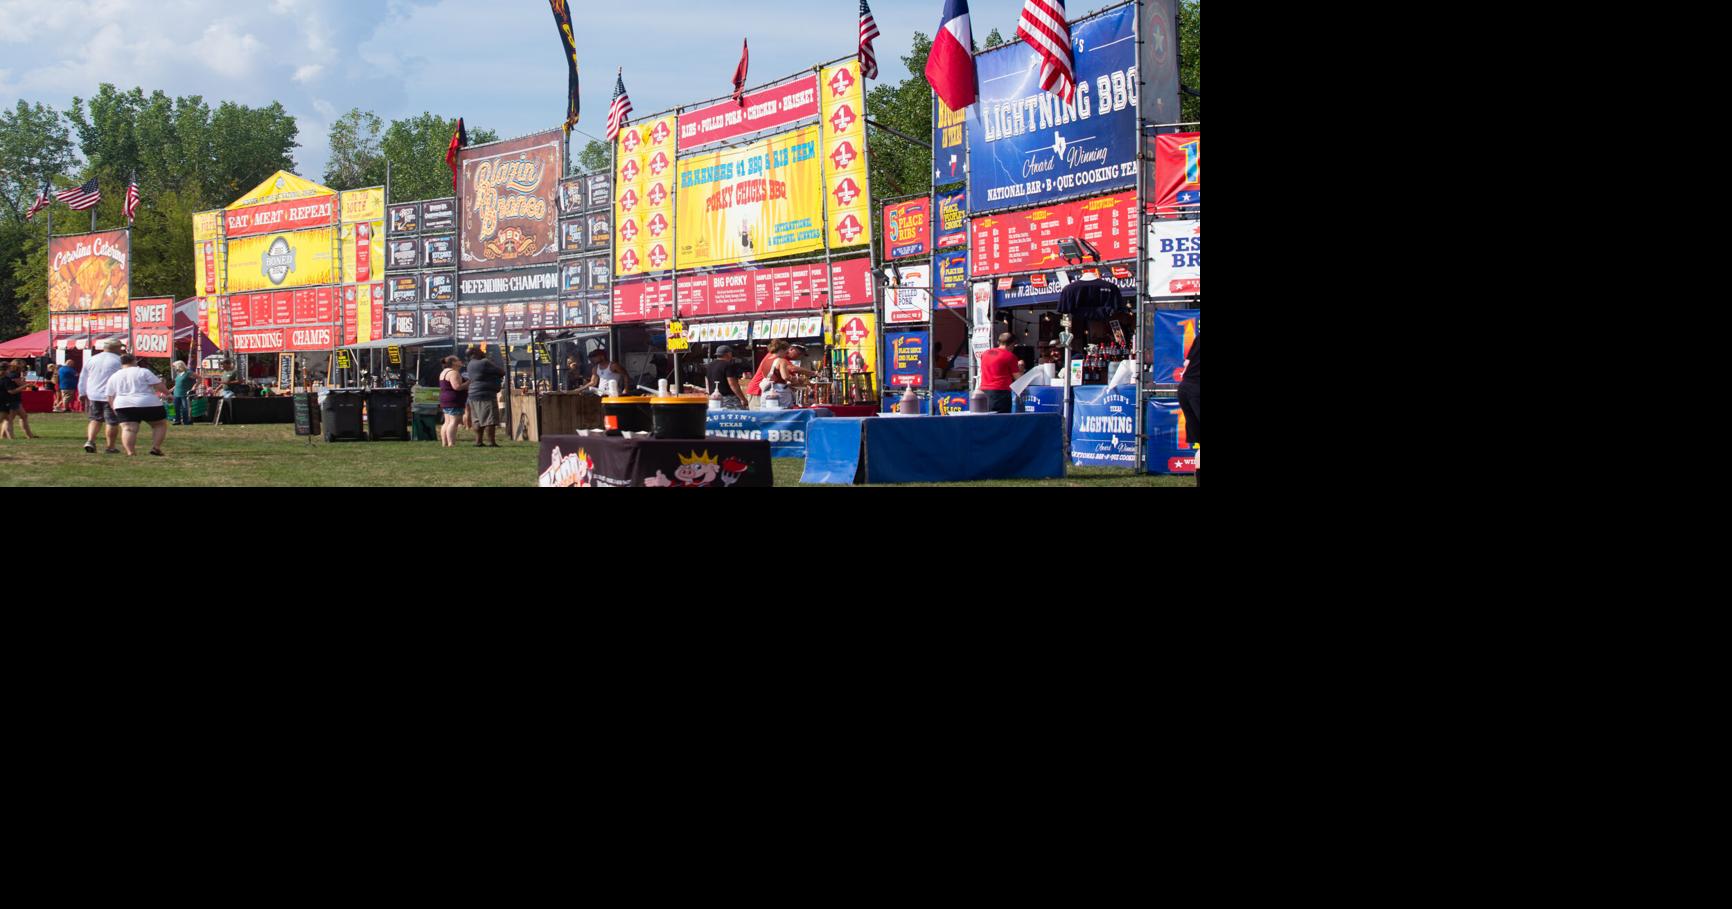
(388, 414)
(340, 412)
(425, 426)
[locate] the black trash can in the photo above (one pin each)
(388, 414)
(341, 414)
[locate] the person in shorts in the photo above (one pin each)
(485, 378)
(91, 383)
(135, 395)
(68, 375)
(453, 400)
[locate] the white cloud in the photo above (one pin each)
(226, 52)
(308, 73)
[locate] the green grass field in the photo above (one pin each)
(274, 456)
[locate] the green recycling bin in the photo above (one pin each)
(425, 426)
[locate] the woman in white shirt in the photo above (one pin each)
(136, 394)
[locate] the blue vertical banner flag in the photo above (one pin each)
(906, 354)
(1170, 334)
(950, 223)
(947, 144)
(1026, 146)
(952, 279)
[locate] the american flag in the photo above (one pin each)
(42, 201)
(868, 32)
(1043, 26)
(81, 198)
(131, 199)
(620, 109)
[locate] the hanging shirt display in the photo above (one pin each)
(1094, 300)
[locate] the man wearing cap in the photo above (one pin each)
(602, 370)
(999, 368)
(93, 390)
(724, 374)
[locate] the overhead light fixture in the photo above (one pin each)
(1077, 249)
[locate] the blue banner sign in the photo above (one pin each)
(785, 430)
(1104, 427)
(906, 352)
(952, 279)
(1026, 146)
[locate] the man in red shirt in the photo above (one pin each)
(998, 369)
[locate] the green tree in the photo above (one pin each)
(35, 147)
(993, 38)
(899, 167)
(594, 157)
(1191, 58)
(356, 158)
(416, 149)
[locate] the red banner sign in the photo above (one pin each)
(153, 327)
(1178, 173)
(739, 291)
(278, 340)
(779, 105)
(1026, 241)
(266, 219)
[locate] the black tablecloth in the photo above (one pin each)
(597, 460)
(254, 411)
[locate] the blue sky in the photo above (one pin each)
(495, 62)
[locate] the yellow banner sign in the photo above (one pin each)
(844, 148)
(282, 186)
(643, 225)
(756, 202)
(278, 261)
(363, 205)
(207, 225)
(364, 252)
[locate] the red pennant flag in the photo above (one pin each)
(740, 73)
(459, 139)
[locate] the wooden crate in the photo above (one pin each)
(555, 413)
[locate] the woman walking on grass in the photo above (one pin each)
(453, 400)
(136, 394)
(12, 386)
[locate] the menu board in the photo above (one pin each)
(791, 288)
(1029, 240)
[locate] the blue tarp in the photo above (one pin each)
(833, 450)
(964, 448)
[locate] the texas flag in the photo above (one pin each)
(950, 67)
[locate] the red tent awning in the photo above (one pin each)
(35, 345)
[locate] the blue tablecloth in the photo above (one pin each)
(785, 430)
(937, 449)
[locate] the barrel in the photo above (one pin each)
(626, 414)
(681, 417)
